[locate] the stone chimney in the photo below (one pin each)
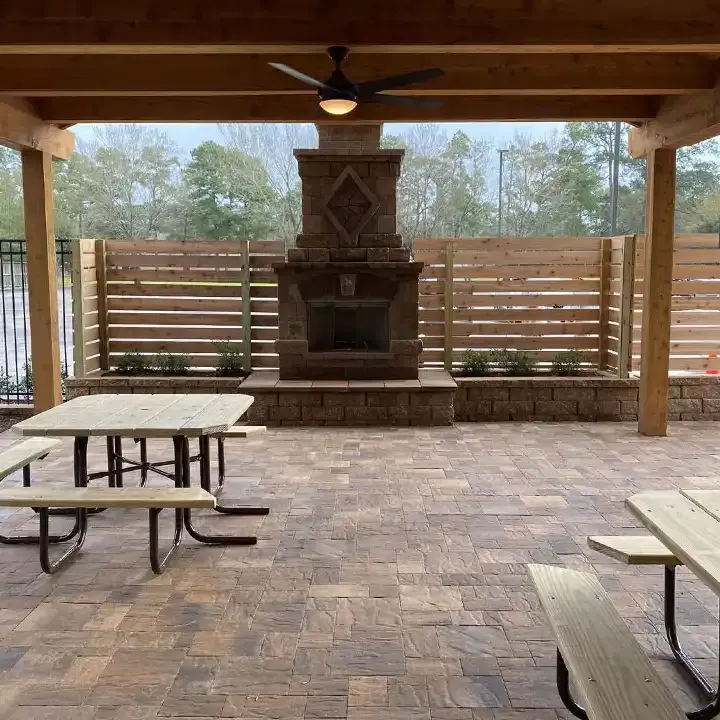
(348, 293)
(348, 139)
(349, 191)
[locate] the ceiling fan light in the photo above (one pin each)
(338, 106)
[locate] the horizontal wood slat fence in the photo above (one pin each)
(536, 295)
(539, 295)
(695, 319)
(178, 297)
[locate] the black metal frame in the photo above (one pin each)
(182, 470)
(204, 455)
(696, 677)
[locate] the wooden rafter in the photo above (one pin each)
(679, 122)
(22, 130)
(469, 74)
(568, 25)
(286, 108)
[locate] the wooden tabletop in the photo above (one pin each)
(139, 416)
(688, 523)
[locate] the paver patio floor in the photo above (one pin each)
(388, 581)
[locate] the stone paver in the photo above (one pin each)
(388, 581)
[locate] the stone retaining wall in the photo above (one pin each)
(584, 399)
(350, 408)
(486, 399)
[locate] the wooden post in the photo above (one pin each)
(627, 306)
(103, 330)
(246, 302)
(449, 305)
(605, 270)
(42, 280)
(78, 310)
(657, 293)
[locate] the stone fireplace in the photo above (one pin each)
(348, 293)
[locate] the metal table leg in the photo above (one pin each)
(182, 470)
(35, 539)
(205, 478)
(81, 514)
(698, 679)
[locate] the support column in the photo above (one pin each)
(657, 293)
(42, 280)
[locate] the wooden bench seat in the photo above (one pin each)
(23, 453)
(243, 431)
(133, 497)
(82, 499)
(610, 671)
(633, 549)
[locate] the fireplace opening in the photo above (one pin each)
(344, 326)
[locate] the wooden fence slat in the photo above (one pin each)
(245, 303)
(78, 304)
(101, 278)
(449, 306)
(175, 318)
(627, 297)
(604, 299)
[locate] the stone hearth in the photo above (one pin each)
(348, 293)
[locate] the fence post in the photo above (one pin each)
(78, 309)
(101, 275)
(449, 305)
(605, 272)
(246, 301)
(627, 300)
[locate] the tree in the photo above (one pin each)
(229, 192)
(11, 206)
(442, 189)
(272, 145)
(130, 181)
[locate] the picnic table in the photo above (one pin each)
(687, 522)
(176, 417)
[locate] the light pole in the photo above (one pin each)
(500, 191)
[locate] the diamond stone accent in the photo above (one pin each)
(350, 205)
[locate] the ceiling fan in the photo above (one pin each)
(339, 96)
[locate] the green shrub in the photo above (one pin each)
(514, 362)
(475, 363)
(167, 364)
(132, 363)
(568, 362)
(230, 360)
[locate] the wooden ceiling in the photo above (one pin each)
(648, 63)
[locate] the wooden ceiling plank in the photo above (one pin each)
(679, 122)
(22, 131)
(504, 74)
(69, 110)
(616, 25)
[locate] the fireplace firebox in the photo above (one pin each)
(346, 326)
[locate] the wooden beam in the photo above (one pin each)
(290, 108)
(657, 293)
(188, 25)
(42, 282)
(679, 122)
(471, 74)
(20, 130)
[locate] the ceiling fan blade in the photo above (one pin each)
(401, 100)
(398, 81)
(300, 76)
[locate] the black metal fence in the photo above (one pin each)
(16, 384)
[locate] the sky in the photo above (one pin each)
(188, 135)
